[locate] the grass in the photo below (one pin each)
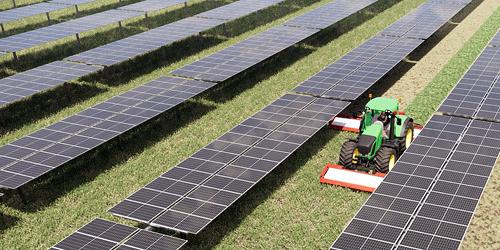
(288, 209)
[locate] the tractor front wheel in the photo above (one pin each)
(385, 159)
(348, 154)
(407, 138)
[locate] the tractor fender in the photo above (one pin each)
(400, 129)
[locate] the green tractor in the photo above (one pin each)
(384, 134)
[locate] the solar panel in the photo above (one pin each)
(495, 42)
(426, 19)
(71, 2)
(237, 9)
(189, 196)
(151, 5)
(103, 234)
(356, 72)
(42, 151)
(231, 61)
(145, 42)
(61, 30)
(27, 83)
(328, 14)
(476, 85)
(29, 10)
(445, 214)
(386, 213)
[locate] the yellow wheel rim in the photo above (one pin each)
(355, 155)
(392, 161)
(409, 137)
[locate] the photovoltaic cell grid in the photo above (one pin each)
(384, 216)
(443, 219)
(237, 9)
(103, 234)
(30, 82)
(477, 90)
(231, 61)
(29, 10)
(495, 42)
(40, 152)
(329, 14)
(61, 30)
(142, 43)
(192, 194)
(426, 19)
(349, 77)
(151, 5)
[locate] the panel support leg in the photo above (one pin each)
(22, 196)
(3, 28)
(120, 26)
(14, 3)
(224, 30)
(185, 4)
(67, 91)
(77, 11)
(78, 39)
(48, 17)
(14, 54)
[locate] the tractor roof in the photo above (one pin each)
(382, 104)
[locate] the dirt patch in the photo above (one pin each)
(431, 64)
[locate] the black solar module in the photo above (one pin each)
(349, 77)
(40, 152)
(145, 42)
(29, 10)
(495, 42)
(426, 19)
(445, 214)
(231, 61)
(151, 5)
(477, 89)
(103, 234)
(27, 83)
(61, 30)
(189, 196)
(238, 9)
(329, 14)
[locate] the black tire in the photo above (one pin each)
(382, 159)
(402, 142)
(346, 154)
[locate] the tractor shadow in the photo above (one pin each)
(7, 221)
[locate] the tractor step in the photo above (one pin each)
(358, 180)
(351, 124)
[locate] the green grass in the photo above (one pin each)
(288, 209)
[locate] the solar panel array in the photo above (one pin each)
(125, 49)
(36, 9)
(427, 201)
(151, 5)
(30, 82)
(237, 9)
(42, 151)
(231, 61)
(495, 42)
(352, 75)
(477, 93)
(189, 196)
(61, 30)
(426, 20)
(103, 234)
(234, 60)
(326, 15)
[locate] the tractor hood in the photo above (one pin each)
(383, 104)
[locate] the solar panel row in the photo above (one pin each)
(425, 20)
(427, 200)
(117, 52)
(103, 234)
(189, 196)
(234, 60)
(238, 9)
(495, 42)
(58, 31)
(36, 9)
(30, 82)
(42, 151)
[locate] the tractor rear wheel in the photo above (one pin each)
(347, 154)
(385, 159)
(407, 138)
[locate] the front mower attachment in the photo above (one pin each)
(334, 174)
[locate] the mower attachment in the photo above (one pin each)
(358, 180)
